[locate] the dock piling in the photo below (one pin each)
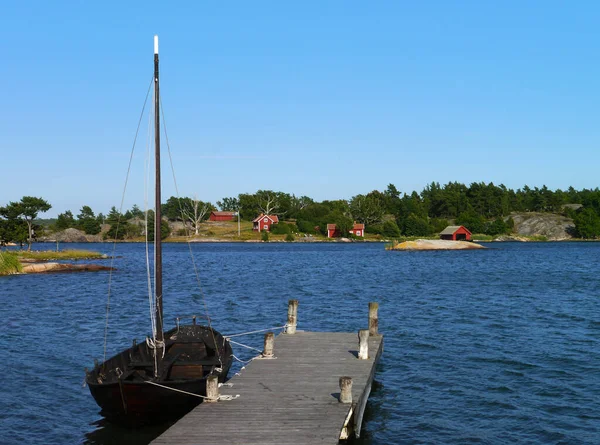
(345, 389)
(292, 317)
(373, 319)
(212, 389)
(269, 344)
(363, 344)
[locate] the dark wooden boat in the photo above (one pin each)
(165, 376)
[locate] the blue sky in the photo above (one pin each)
(325, 99)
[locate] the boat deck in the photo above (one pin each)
(290, 399)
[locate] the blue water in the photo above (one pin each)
(500, 346)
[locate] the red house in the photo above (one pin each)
(264, 222)
(456, 233)
(356, 230)
(222, 216)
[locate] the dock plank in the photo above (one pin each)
(291, 399)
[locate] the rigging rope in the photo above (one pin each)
(119, 219)
(151, 297)
(197, 274)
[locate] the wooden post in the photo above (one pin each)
(292, 320)
(363, 344)
(345, 389)
(269, 344)
(212, 389)
(373, 319)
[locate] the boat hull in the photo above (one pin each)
(128, 390)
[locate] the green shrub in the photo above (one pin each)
(390, 229)
(265, 236)
(289, 237)
(281, 229)
(305, 226)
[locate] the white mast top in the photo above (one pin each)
(155, 44)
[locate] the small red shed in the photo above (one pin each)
(222, 216)
(456, 233)
(357, 230)
(264, 222)
(332, 231)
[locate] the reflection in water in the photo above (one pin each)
(105, 433)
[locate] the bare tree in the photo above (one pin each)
(195, 211)
(268, 203)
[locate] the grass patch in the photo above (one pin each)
(47, 255)
(9, 263)
(483, 237)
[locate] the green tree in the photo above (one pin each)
(165, 230)
(27, 210)
(229, 204)
(65, 221)
(496, 227)
(390, 229)
(587, 224)
(472, 221)
(416, 226)
(118, 225)
(87, 221)
(367, 209)
(12, 227)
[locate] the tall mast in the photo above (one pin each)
(157, 217)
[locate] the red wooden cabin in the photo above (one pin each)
(456, 233)
(222, 216)
(264, 222)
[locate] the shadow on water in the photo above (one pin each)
(106, 433)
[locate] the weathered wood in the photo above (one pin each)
(363, 344)
(346, 389)
(292, 320)
(373, 318)
(291, 400)
(212, 389)
(269, 344)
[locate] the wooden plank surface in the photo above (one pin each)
(291, 399)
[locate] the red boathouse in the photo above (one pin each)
(222, 216)
(456, 233)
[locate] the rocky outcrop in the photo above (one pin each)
(549, 225)
(74, 236)
(61, 267)
(427, 244)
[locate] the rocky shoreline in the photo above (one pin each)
(427, 244)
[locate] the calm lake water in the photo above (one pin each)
(500, 346)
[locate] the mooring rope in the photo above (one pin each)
(245, 346)
(221, 397)
(255, 332)
(245, 362)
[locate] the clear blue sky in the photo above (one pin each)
(325, 99)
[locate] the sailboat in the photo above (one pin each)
(166, 375)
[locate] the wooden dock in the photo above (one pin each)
(292, 398)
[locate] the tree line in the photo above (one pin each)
(481, 207)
